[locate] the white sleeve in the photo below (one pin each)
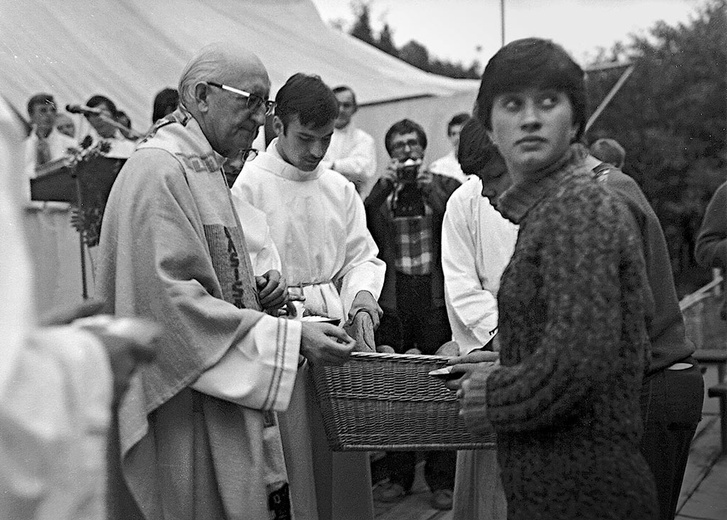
(469, 303)
(362, 270)
(259, 371)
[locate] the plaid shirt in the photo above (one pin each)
(414, 243)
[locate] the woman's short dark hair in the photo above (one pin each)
(405, 126)
(307, 97)
(533, 62)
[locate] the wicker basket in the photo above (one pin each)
(388, 402)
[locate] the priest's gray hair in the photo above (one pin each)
(207, 64)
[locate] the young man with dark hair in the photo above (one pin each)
(352, 152)
(404, 213)
(318, 224)
(103, 129)
(449, 165)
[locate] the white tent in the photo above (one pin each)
(128, 50)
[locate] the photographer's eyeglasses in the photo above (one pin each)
(401, 145)
(254, 102)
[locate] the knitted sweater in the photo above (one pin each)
(565, 400)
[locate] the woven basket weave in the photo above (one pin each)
(389, 402)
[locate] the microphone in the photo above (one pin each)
(82, 109)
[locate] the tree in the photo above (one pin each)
(671, 116)
(415, 54)
(362, 26)
(386, 41)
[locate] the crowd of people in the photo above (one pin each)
(531, 261)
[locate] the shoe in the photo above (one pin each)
(390, 492)
(442, 499)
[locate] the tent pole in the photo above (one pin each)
(608, 97)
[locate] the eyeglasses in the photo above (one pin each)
(254, 102)
(401, 145)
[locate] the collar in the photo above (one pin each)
(346, 130)
(192, 137)
(520, 198)
(284, 169)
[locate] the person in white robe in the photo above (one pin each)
(317, 221)
(199, 438)
(102, 127)
(352, 152)
(56, 382)
(477, 243)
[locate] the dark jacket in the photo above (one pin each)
(379, 220)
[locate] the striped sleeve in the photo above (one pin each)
(258, 371)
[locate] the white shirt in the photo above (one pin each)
(449, 167)
(354, 153)
(318, 224)
(58, 145)
(121, 147)
(477, 243)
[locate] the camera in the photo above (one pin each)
(408, 198)
(407, 171)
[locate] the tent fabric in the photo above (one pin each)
(129, 50)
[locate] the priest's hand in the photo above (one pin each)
(325, 344)
(365, 302)
(272, 291)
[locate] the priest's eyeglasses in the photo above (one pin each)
(254, 102)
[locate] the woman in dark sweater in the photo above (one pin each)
(565, 398)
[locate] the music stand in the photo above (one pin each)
(85, 184)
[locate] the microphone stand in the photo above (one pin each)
(81, 233)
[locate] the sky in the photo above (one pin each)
(465, 30)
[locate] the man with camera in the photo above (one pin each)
(404, 213)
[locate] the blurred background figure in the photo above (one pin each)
(711, 248)
(165, 102)
(609, 151)
(45, 143)
(449, 165)
(65, 125)
(123, 118)
(352, 152)
(102, 128)
(57, 383)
